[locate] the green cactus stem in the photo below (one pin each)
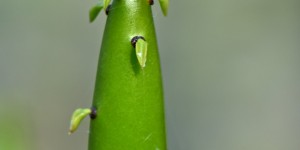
(128, 96)
(129, 99)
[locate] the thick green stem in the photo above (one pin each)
(128, 98)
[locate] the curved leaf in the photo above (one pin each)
(164, 4)
(106, 3)
(77, 117)
(94, 11)
(141, 52)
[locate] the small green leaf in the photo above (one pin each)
(141, 52)
(164, 4)
(77, 117)
(106, 3)
(94, 11)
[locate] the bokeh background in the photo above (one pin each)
(230, 68)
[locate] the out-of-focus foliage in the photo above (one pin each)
(16, 132)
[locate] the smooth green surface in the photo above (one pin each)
(129, 100)
(141, 52)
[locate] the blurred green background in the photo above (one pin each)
(230, 68)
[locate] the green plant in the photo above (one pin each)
(127, 111)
